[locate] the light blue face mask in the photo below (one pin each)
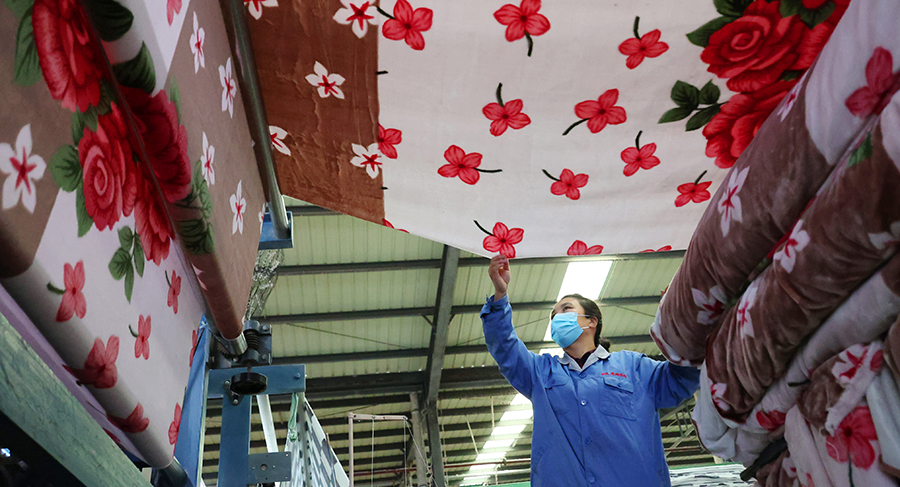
(564, 328)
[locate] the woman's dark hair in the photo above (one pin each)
(591, 308)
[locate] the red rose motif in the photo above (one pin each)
(600, 113)
(408, 25)
(502, 239)
(69, 57)
(732, 129)
(175, 425)
(568, 184)
(696, 192)
(506, 115)
(639, 47)
(152, 221)
(664, 248)
(881, 84)
(174, 291)
(388, 224)
(853, 438)
(108, 170)
(387, 139)
(463, 165)
(100, 366)
(73, 302)
(523, 21)
(165, 140)
(134, 423)
(141, 343)
(772, 420)
(753, 51)
(639, 157)
(580, 248)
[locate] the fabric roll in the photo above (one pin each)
(883, 397)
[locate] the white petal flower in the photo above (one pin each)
(22, 168)
(256, 6)
(717, 391)
(238, 207)
(229, 87)
(358, 15)
(711, 307)
(744, 319)
(797, 241)
(730, 204)
(278, 134)
(328, 84)
(789, 101)
(367, 157)
(206, 162)
(883, 240)
(197, 40)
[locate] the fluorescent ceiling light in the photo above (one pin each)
(584, 278)
(474, 480)
(517, 415)
(494, 455)
(479, 469)
(508, 430)
(520, 399)
(498, 444)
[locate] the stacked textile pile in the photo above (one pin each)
(790, 281)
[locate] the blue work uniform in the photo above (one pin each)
(596, 425)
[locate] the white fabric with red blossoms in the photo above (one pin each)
(490, 98)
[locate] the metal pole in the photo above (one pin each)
(256, 114)
(434, 441)
(350, 420)
(417, 424)
(268, 424)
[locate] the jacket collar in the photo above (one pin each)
(599, 354)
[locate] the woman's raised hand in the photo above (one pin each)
(499, 273)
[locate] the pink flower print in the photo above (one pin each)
(772, 420)
(697, 192)
(567, 183)
(797, 241)
(502, 239)
(327, 83)
(744, 319)
(175, 425)
(22, 168)
(463, 165)
(717, 390)
(73, 302)
(368, 158)
(880, 86)
(238, 207)
(711, 306)
(256, 6)
(388, 224)
(206, 161)
(664, 248)
(174, 290)
(357, 15)
(172, 7)
(877, 361)
(640, 47)
(505, 115)
(580, 248)
(134, 423)
(142, 337)
(229, 87)
(853, 439)
(197, 39)
(193, 347)
(848, 363)
(407, 24)
(100, 366)
(600, 113)
(730, 205)
(639, 157)
(277, 134)
(523, 21)
(809, 481)
(886, 240)
(788, 103)
(387, 139)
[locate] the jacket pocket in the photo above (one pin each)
(616, 397)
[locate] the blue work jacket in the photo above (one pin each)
(596, 425)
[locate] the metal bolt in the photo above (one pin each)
(235, 401)
(265, 328)
(264, 357)
(298, 376)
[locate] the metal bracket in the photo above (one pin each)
(233, 397)
(269, 467)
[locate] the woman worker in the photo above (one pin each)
(596, 420)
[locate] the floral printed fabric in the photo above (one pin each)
(753, 218)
